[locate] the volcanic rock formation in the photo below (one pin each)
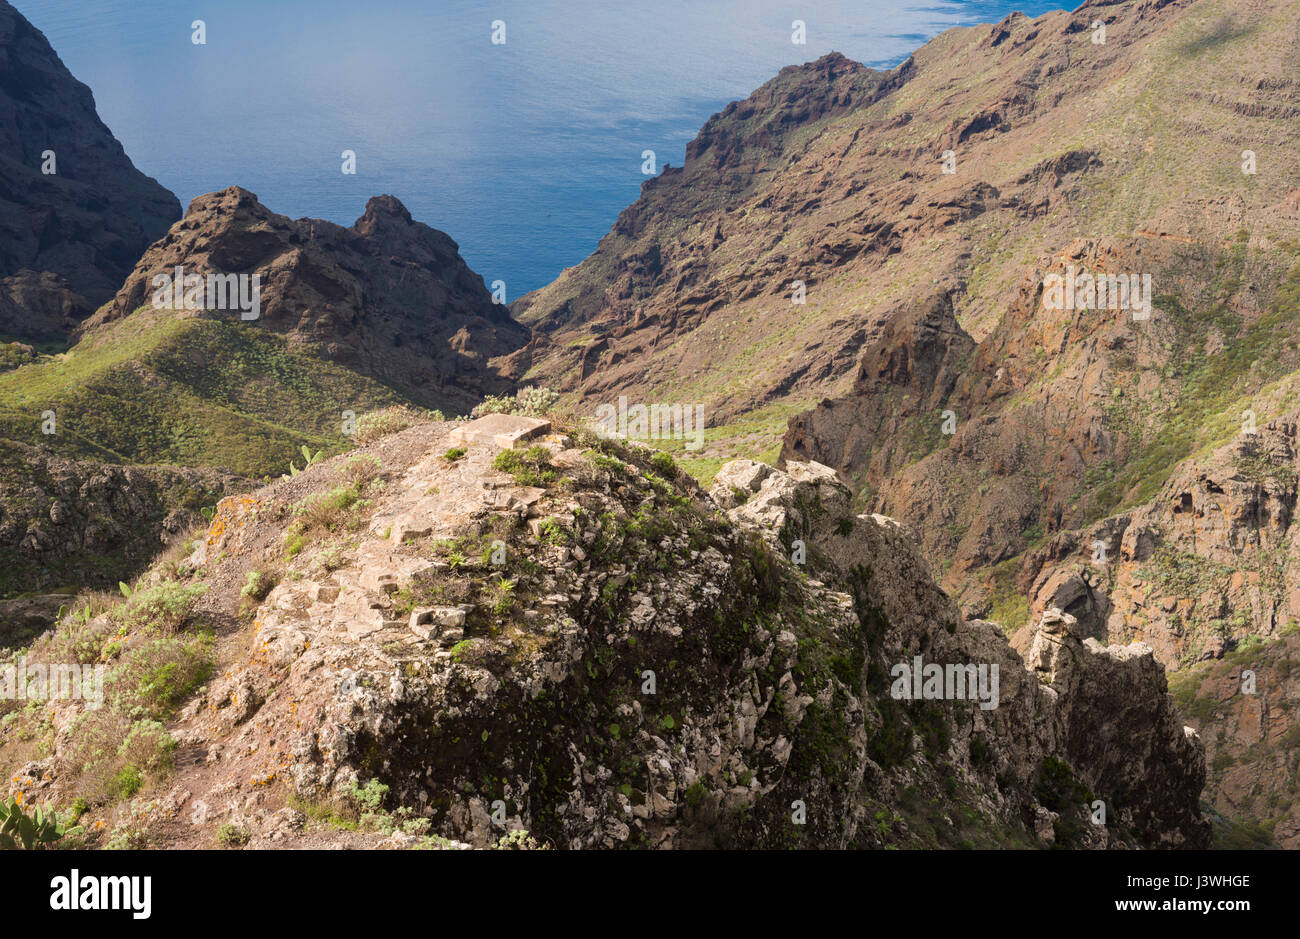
(389, 297)
(90, 219)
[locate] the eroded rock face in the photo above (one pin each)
(1102, 711)
(389, 297)
(89, 221)
(585, 648)
(1246, 707)
(911, 368)
(1204, 574)
(40, 306)
(80, 523)
(1114, 697)
(1207, 562)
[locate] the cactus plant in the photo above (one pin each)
(41, 828)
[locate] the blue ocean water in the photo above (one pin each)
(524, 152)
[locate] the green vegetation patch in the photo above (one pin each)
(186, 391)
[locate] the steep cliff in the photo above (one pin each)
(1059, 137)
(67, 237)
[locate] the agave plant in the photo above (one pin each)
(309, 459)
(31, 831)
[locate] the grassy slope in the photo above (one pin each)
(186, 391)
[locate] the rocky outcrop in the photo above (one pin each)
(571, 640)
(1203, 565)
(389, 297)
(908, 371)
(972, 443)
(68, 523)
(1102, 711)
(1118, 723)
(88, 221)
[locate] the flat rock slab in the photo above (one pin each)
(501, 430)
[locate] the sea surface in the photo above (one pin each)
(524, 152)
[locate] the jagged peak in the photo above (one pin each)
(222, 201)
(385, 206)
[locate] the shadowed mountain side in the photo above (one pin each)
(89, 218)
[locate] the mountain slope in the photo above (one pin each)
(1063, 416)
(190, 391)
(832, 174)
(82, 226)
(389, 297)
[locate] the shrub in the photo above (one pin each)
(370, 797)
(1058, 789)
(664, 465)
(534, 402)
(454, 454)
(519, 840)
(127, 782)
(14, 354)
(503, 602)
(494, 404)
(257, 586)
(230, 835)
(375, 424)
(74, 640)
(84, 638)
(165, 606)
(154, 678)
(293, 545)
(114, 756)
(360, 470)
(981, 754)
(529, 402)
(551, 531)
(531, 467)
(326, 511)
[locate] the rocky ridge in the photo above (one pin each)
(574, 640)
(388, 297)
